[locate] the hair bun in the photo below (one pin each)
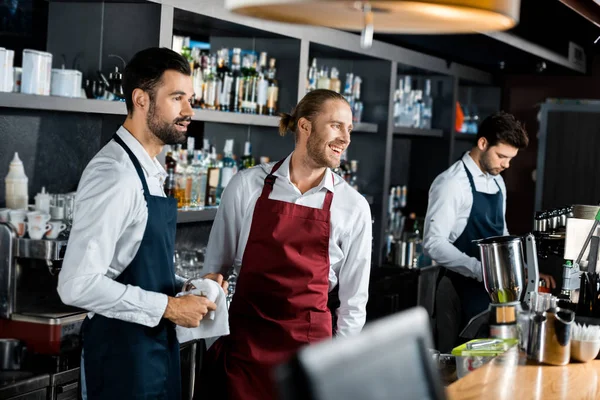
(286, 123)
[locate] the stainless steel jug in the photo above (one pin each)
(504, 268)
(549, 339)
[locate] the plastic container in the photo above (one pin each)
(469, 359)
(42, 201)
(16, 183)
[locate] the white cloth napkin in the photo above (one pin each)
(215, 323)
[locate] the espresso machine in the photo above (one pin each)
(32, 312)
(509, 281)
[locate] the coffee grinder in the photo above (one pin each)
(504, 278)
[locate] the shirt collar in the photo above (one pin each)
(151, 166)
(472, 166)
(327, 182)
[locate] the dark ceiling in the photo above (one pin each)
(547, 23)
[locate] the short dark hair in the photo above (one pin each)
(146, 69)
(309, 107)
(502, 127)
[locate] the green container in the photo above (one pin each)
(469, 359)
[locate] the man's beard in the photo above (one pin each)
(165, 131)
(486, 165)
(316, 152)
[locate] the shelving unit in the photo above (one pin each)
(206, 215)
(418, 155)
(404, 131)
(365, 127)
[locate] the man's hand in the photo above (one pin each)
(219, 279)
(188, 311)
(549, 279)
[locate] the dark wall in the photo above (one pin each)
(55, 147)
(522, 95)
(87, 33)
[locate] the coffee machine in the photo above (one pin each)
(504, 269)
(30, 308)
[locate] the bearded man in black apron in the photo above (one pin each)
(467, 202)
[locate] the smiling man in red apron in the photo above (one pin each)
(293, 230)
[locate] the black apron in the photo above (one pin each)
(125, 360)
(486, 220)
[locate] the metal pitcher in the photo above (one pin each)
(504, 267)
(549, 339)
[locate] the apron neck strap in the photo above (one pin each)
(135, 162)
(270, 182)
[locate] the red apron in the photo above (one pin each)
(280, 302)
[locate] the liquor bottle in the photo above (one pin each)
(170, 166)
(348, 89)
(249, 85)
(312, 76)
(210, 88)
(226, 80)
(407, 102)
(417, 109)
(182, 190)
(334, 83)
(237, 81)
(357, 107)
(227, 170)
(273, 89)
(427, 112)
(262, 85)
(323, 82)
(247, 160)
(197, 171)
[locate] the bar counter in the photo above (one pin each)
(511, 377)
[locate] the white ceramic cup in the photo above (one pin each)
(17, 220)
(4, 214)
(38, 217)
(37, 232)
(56, 227)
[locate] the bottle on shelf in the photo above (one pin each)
(262, 85)
(182, 188)
(324, 82)
(354, 174)
(247, 161)
(226, 79)
(273, 89)
(417, 109)
(16, 185)
(228, 168)
(249, 85)
(427, 111)
(406, 118)
(236, 82)
(348, 89)
(357, 107)
(313, 75)
(334, 83)
(170, 166)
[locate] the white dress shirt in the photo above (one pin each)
(349, 241)
(108, 227)
(450, 202)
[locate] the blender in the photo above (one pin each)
(509, 281)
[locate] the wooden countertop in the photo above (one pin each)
(511, 377)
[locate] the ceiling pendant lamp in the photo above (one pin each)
(388, 16)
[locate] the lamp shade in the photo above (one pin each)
(391, 16)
